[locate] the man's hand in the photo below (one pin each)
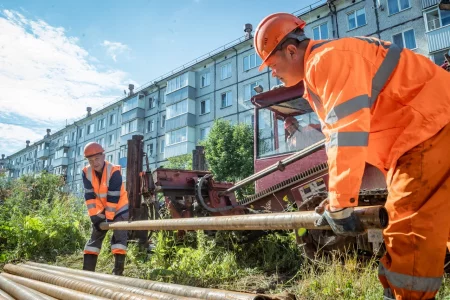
(343, 221)
(97, 225)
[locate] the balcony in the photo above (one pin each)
(42, 154)
(180, 121)
(429, 3)
(439, 39)
(181, 94)
(62, 161)
(134, 113)
(179, 149)
(63, 144)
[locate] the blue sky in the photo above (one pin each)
(57, 57)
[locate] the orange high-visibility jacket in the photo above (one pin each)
(375, 102)
(106, 198)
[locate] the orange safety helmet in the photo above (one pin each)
(273, 30)
(92, 149)
(289, 121)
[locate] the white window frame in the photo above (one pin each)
(207, 111)
(110, 158)
(89, 128)
(403, 37)
(253, 61)
(228, 99)
(101, 124)
(205, 80)
(204, 132)
(399, 9)
(150, 149)
(111, 141)
(356, 19)
(151, 103)
(228, 71)
(163, 121)
(320, 32)
(439, 19)
(177, 83)
(81, 132)
(73, 136)
(251, 90)
(250, 120)
(162, 146)
(112, 119)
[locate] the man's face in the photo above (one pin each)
(97, 161)
(291, 129)
(287, 65)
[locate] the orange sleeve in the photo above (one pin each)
(339, 84)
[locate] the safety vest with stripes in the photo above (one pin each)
(108, 197)
(375, 102)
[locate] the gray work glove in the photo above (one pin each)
(343, 222)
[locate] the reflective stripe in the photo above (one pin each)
(89, 174)
(92, 249)
(320, 44)
(384, 71)
(89, 206)
(113, 193)
(410, 283)
(372, 41)
(349, 139)
(387, 293)
(316, 100)
(88, 190)
(123, 208)
(102, 195)
(101, 216)
(111, 209)
(108, 173)
(347, 108)
(118, 246)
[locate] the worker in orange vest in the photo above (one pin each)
(107, 201)
(389, 107)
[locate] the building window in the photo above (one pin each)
(163, 97)
(176, 136)
(163, 121)
(161, 147)
(226, 99)
(78, 170)
(90, 128)
(80, 132)
(80, 150)
(73, 136)
(152, 125)
(204, 133)
(112, 119)
(437, 18)
(177, 109)
(356, 18)
(150, 149)
(129, 127)
(101, 141)
(110, 158)
(206, 79)
(101, 124)
(249, 91)
(439, 58)
(251, 61)
(225, 71)
(177, 83)
(111, 139)
(250, 120)
(151, 103)
(137, 102)
(405, 39)
(395, 6)
(320, 32)
(205, 107)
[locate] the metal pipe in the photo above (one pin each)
(5, 296)
(16, 291)
(72, 284)
(46, 297)
(111, 285)
(170, 288)
(372, 217)
(279, 166)
(52, 290)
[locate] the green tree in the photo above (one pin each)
(229, 151)
(182, 162)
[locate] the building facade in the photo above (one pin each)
(176, 111)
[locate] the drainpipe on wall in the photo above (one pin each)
(214, 92)
(237, 86)
(333, 11)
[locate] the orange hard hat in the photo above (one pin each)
(289, 121)
(92, 149)
(273, 30)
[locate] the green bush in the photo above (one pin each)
(38, 220)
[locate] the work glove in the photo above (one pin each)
(343, 222)
(96, 220)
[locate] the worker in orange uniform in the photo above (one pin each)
(387, 106)
(106, 200)
(300, 137)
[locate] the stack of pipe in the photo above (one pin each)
(43, 282)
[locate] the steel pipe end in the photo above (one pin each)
(384, 217)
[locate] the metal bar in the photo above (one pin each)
(46, 297)
(112, 285)
(372, 217)
(52, 290)
(276, 167)
(170, 288)
(5, 296)
(72, 284)
(16, 291)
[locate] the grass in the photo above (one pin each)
(204, 262)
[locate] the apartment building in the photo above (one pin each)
(176, 111)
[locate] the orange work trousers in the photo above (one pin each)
(419, 225)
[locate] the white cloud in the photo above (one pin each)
(115, 48)
(14, 137)
(47, 77)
